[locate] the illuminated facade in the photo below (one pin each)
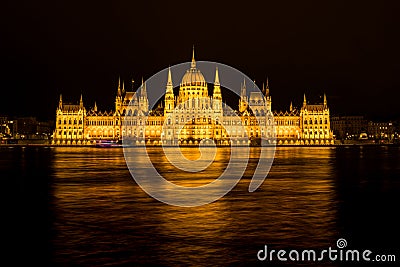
(192, 116)
(308, 126)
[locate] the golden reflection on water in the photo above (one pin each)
(190, 179)
(81, 207)
(100, 208)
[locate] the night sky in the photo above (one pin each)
(347, 49)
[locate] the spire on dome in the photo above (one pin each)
(193, 65)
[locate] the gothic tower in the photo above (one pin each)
(243, 101)
(217, 97)
(169, 95)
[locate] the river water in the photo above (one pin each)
(80, 207)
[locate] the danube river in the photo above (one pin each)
(80, 207)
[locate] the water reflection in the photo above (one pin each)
(312, 196)
(103, 215)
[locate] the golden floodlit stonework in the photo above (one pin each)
(191, 116)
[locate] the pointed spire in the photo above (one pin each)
(216, 82)
(169, 76)
(143, 91)
(243, 89)
(60, 101)
(243, 97)
(217, 87)
(81, 101)
(291, 106)
(244, 93)
(119, 87)
(123, 87)
(325, 101)
(305, 100)
(267, 83)
(170, 86)
(95, 106)
(193, 65)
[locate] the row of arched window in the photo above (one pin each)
(100, 123)
(70, 121)
(315, 132)
(315, 121)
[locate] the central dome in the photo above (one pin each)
(193, 76)
(193, 84)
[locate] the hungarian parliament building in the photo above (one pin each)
(192, 116)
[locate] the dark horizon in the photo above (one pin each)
(347, 50)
